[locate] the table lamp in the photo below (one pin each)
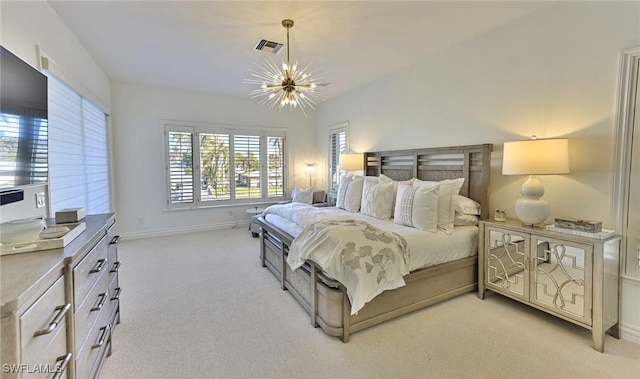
(351, 162)
(534, 157)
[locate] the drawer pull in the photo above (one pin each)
(114, 240)
(62, 311)
(115, 267)
(103, 337)
(103, 298)
(60, 369)
(99, 266)
(116, 296)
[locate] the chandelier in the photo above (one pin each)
(289, 86)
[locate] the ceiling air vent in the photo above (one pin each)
(267, 46)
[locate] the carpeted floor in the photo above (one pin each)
(200, 306)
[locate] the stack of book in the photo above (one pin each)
(584, 228)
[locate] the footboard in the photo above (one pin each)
(327, 303)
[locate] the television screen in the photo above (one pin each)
(23, 123)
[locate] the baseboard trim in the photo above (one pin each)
(190, 229)
(630, 333)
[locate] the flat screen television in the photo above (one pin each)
(23, 123)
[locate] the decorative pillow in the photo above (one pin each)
(350, 194)
(342, 191)
(466, 206)
(417, 207)
(385, 179)
(367, 178)
(447, 189)
(465, 220)
(302, 196)
(318, 197)
(377, 200)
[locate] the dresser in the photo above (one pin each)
(59, 306)
(571, 277)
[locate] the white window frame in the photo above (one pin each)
(196, 129)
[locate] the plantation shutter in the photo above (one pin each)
(181, 167)
(248, 165)
(275, 171)
(338, 145)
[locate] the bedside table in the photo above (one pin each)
(572, 277)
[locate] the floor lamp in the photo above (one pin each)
(309, 169)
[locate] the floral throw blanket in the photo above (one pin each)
(365, 259)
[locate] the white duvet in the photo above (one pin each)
(423, 249)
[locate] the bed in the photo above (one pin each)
(325, 299)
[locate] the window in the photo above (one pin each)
(78, 151)
(338, 143)
(209, 165)
(23, 146)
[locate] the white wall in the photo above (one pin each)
(553, 73)
(25, 28)
(139, 165)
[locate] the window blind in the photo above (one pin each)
(78, 152)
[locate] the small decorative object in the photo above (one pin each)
(577, 224)
(66, 215)
(22, 230)
(500, 215)
(54, 231)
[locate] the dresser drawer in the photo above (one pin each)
(114, 264)
(41, 324)
(114, 295)
(54, 357)
(87, 272)
(94, 346)
(98, 299)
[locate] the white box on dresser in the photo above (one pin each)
(59, 306)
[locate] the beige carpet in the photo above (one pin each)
(201, 306)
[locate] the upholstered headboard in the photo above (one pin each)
(472, 162)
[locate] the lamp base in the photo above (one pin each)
(532, 211)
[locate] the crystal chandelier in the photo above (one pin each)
(287, 86)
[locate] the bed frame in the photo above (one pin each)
(325, 299)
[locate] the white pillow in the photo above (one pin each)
(446, 208)
(302, 196)
(349, 194)
(417, 207)
(342, 191)
(377, 200)
(466, 206)
(465, 219)
(385, 179)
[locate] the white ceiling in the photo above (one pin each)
(207, 46)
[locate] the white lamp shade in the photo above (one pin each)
(351, 161)
(309, 168)
(536, 157)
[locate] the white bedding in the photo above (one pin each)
(425, 248)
